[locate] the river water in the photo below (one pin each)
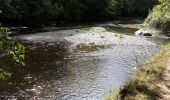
(77, 64)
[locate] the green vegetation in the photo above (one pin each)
(58, 11)
(134, 8)
(39, 12)
(16, 52)
(159, 18)
(4, 75)
(142, 86)
(114, 91)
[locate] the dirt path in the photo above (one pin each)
(164, 85)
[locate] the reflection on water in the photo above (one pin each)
(88, 72)
(123, 30)
(56, 73)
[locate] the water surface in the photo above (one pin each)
(76, 65)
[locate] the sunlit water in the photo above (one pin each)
(76, 66)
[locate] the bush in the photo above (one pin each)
(159, 18)
(16, 53)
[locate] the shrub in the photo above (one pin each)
(16, 52)
(159, 18)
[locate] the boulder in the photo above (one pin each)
(142, 32)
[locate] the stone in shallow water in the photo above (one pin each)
(142, 32)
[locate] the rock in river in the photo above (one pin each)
(143, 32)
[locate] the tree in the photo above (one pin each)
(136, 7)
(159, 18)
(37, 12)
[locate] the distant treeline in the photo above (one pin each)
(45, 11)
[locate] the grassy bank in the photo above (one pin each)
(143, 85)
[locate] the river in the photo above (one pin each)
(78, 64)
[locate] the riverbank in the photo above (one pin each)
(148, 82)
(165, 83)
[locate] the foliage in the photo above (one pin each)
(159, 18)
(136, 7)
(45, 11)
(4, 75)
(16, 52)
(114, 91)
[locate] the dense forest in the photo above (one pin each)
(29, 12)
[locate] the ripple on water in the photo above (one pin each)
(65, 75)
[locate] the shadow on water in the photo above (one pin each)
(123, 30)
(42, 63)
(56, 73)
(51, 72)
